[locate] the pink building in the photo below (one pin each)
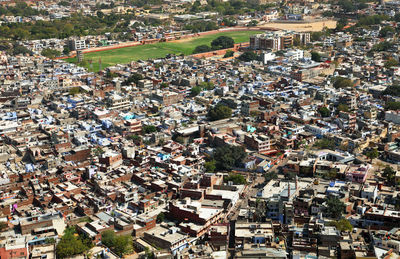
(357, 173)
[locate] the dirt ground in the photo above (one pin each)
(301, 26)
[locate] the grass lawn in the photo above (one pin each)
(157, 50)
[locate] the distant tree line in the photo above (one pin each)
(76, 25)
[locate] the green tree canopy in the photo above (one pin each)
(210, 166)
(392, 106)
(196, 90)
(342, 82)
(325, 143)
(71, 244)
(199, 26)
(324, 111)
(19, 49)
(149, 129)
(393, 90)
(391, 62)
(343, 107)
(134, 78)
(248, 56)
(334, 207)
(66, 51)
(382, 46)
(372, 154)
(229, 53)
(389, 174)
(160, 217)
(74, 90)
(222, 42)
(207, 85)
(229, 156)
(201, 49)
(315, 56)
(385, 31)
(219, 112)
(50, 53)
(119, 244)
(236, 179)
(343, 225)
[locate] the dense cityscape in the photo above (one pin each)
(199, 129)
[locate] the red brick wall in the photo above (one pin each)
(81, 155)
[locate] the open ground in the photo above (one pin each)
(157, 50)
(301, 26)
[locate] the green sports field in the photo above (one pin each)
(157, 50)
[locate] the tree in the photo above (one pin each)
(210, 166)
(74, 90)
(72, 244)
(164, 85)
(19, 49)
(66, 51)
(121, 244)
(343, 107)
(98, 151)
(342, 82)
(20, 34)
(343, 225)
(199, 26)
(219, 112)
(334, 207)
(248, 56)
(393, 90)
(255, 114)
(315, 56)
(50, 53)
(207, 85)
(3, 226)
(324, 111)
(389, 174)
(100, 14)
(49, 240)
(325, 143)
(296, 42)
(316, 36)
(391, 62)
(270, 176)
(195, 91)
(252, 23)
(201, 49)
(385, 31)
(149, 129)
(331, 174)
(160, 217)
(135, 138)
(372, 154)
(222, 42)
(148, 254)
(382, 46)
(110, 74)
(64, 3)
(229, 156)
(134, 78)
(229, 53)
(392, 106)
(235, 179)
